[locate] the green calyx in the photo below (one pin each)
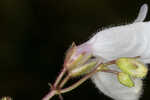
(74, 59)
(82, 69)
(125, 79)
(73, 64)
(78, 63)
(102, 67)
(132, 67)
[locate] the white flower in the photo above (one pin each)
(124, 41)
(121, 41)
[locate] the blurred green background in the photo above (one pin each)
(34, 35)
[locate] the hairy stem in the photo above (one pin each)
(75, 85)
(64, 81)
(49, 95)
(110, 71)
(58, 85)
(60, 76)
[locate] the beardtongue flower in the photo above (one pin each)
(121, 41)
(124, 41)
(117, 73)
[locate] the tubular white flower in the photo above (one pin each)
(122, 41)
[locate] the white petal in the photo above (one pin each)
(142, 13)
(123, 41)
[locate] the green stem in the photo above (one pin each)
(49, 95)
(64, 81)
(75, 85)
(110, 62)
(60, 77)
(110, 71)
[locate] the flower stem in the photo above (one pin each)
(110, 71)
(64, 81)
(49, 95)
(60, 76)
(110, 63)
(75, 85)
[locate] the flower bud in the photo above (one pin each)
(125, 79)
(82, 69)
(76, 58)
(132, 67)
(71, 60)
(74, 63)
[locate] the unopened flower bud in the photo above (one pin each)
(77, 60)
(125, 79)
(82, 69)
(73, 64)
(71, 61)
(132, 67)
